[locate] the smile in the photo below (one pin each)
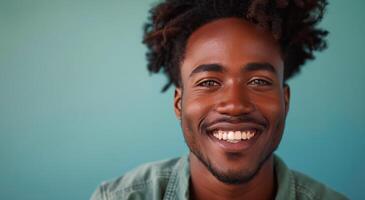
(234, 136)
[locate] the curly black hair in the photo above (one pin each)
(291, 22)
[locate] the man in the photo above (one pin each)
(229, 61)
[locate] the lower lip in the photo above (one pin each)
(243, 145)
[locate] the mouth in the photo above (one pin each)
(234, 138)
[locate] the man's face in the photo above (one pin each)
(232, 103)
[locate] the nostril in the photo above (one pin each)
(235, 108)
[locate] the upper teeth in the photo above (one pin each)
(234, 136)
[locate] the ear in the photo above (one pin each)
(286, 97)
(177, 102)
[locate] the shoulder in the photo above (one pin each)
(142, 182)
(311, 189)
(296, 185)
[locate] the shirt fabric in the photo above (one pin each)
(169, 180)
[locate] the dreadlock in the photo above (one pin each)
(291, 22)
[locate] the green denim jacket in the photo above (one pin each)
(169, 180)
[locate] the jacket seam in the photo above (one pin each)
(103, 191)
(306, 191)
(135, 187)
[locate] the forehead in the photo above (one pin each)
(231, 42)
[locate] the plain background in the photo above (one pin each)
(77, 105)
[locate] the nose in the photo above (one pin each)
(235, 101)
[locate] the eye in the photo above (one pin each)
(259, 82)
(208, 83)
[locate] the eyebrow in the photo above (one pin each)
(249, 67)
(258, 67)
(214, 67)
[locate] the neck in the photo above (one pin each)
(205, 186)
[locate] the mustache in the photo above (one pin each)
(235, 120)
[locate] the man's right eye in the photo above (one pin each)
(208, 83)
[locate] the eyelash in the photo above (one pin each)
(208, 83)
(259, 82)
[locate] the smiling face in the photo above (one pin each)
(232, 103)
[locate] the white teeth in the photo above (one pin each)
(237, 135)
(224, 137)
(244, 135)
(220, 134)
(250, 134)
(233, 136)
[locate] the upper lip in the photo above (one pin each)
(227, 126)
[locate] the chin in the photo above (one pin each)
(234, 176)
(235, 170)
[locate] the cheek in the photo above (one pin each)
(194, 110)
(274, 112)
(273, 109)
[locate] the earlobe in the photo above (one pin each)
(286, 97)
(177, 102)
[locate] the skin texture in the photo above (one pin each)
(232, 95)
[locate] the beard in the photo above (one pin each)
(229, 176)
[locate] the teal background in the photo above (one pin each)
(77, 105)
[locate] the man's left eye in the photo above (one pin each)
(259, 82)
